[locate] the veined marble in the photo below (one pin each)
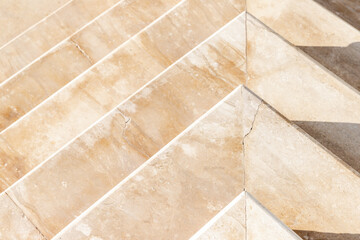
(26, 13)
(304, 92)
(67, 61)
(46, 34)
(103, 156)
(178, 190)
(37, 136)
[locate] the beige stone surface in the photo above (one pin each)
(102, 157)
(179, 190)
(14, 224)
(321, 34)
(46, 34)
(18, 15)
(68, 113)
(304, 92)
(26, 90)
(304, 23)
(230, 226)
(298, 180)
(261, 224)
(245, 218)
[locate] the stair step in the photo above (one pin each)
(16, 17)
(297, 179)
(179, 189)
(165, 196)
(322, 35)
(76, 54)
(45, 35)
(304, 92)
(103, 156)
(236, 223)
(68, 113)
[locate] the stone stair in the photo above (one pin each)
(181, 119)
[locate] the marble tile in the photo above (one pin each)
(230, 225)
(304, 92)
(17, 16)
(103, 156)
(13, 223)
(68, 113)
(43, 78)
(297, 179)
(261, 224)
(322, 35)
(45, 35)
(179, 190)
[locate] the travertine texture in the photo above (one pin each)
(304, 92)
(18, 15)
(298, 180)
(179, 190)
(106, 154)
(46, 34)
(40, 80)
(14, 224)
(230, 226)
(261, 224)
(318, 32)
(72, 110)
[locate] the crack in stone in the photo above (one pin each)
(24, 215)
(252, 124)
(82, 51)
(127, 121)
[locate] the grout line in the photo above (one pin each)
(58, 44)
(34, 25)
(91, 67)
(122, 102)
(218, 216)
(151, 159)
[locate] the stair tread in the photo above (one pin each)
(41, 133)
(71, 58)
(179, 189)
(91, 165)
(304, 92)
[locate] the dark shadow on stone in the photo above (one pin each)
(342, 139)
(343, 61)
(348, 10)
(310, 235)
